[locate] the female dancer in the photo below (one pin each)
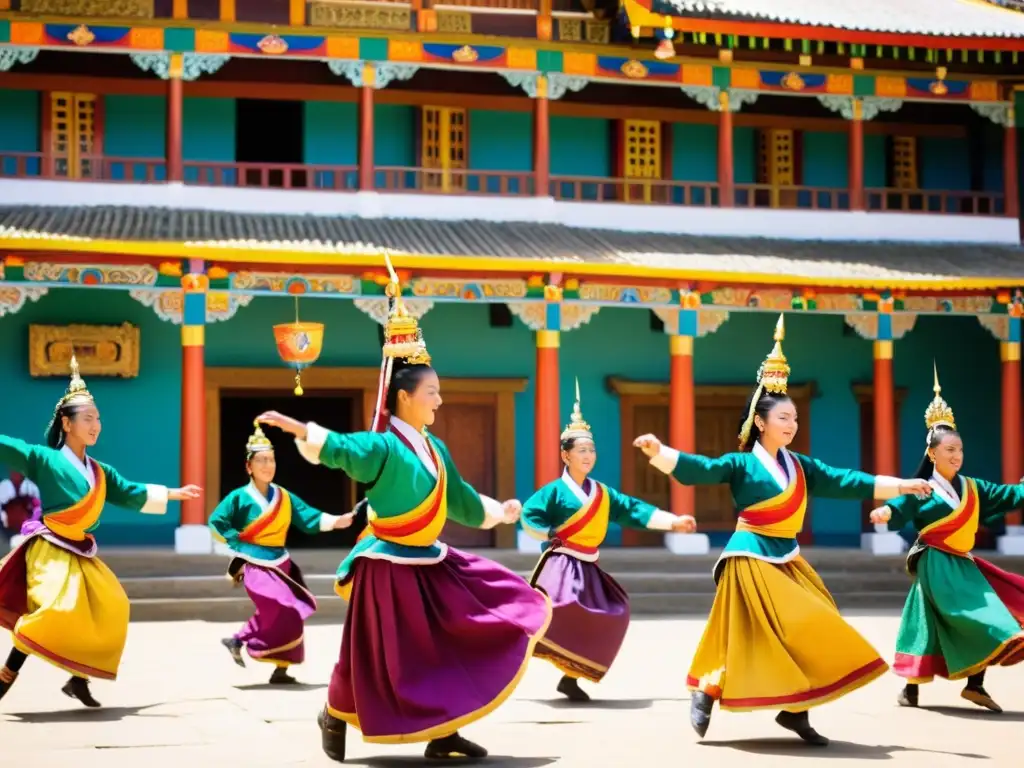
(254, 521)
(435, 638)
(774, 639)
(591, 613)
(59, 600)
(963, 614)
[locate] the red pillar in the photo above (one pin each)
(174, 97)
(1013, 465)
(366, 128)
(541, 140)
(193, 392)
(856, 159)
(682, 415)
(726, 174)
(1010, 180)
(547, 461)
(885, 411)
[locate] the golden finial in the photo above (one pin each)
(403, 337)
(774, 371)
(258, 441)
(938, 411)
(577, 427)
(77, 393)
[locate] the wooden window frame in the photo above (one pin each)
(499, 392)
(98, 128)
(444, 170)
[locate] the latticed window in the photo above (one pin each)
(904, 162)
(641, 156)
(73, 134)
(443, 146)
(777, 167)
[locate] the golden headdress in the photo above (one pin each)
(577, 427)
(772, 376)
(938, 412)
(77, 393)
(258, 442)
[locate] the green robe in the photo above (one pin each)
(243, 506)
(63, 481)
(400, 482)
(754, 477)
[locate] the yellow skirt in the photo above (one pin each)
(775, 640)
(77, 615)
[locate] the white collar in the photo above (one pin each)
(772, 465)
(577, 491)
(417, 440)
(84, 469)
(945, 490)
(263, 502)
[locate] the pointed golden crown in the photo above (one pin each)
(258, 441)
(938, 410)
(402, 335)
(77, 393)
(774, 371)
(577, 427)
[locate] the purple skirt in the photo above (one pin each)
(427, 649)
(283, 603)
(591, 616)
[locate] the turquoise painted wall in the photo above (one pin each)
(876, 171)
(134, 126)
(19, 127)
(331, 137)
(992, 159)
(394, 142)
(744, 155)
(500, 141)
(208, 133)
(945, 163)
(581, 146)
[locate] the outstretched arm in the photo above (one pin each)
(897, 513)
(360, 455)
(834, 483)
(147, 499)
(687, 468)
(466, 505)
(631, 512)
(311, 520)
(20, 456)
(996, 499)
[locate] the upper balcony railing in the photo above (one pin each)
(413, 180)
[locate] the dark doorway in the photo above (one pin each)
(326, 489)
(269, 131)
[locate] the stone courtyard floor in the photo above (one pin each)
(181, 702)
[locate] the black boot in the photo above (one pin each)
(800, 724)
(332, 735)
(700, 712)
(975, 693)
(570, 688)
(280, 676)
(234, 647)
(78, 688)
(453, 746)
(7, 678)
(908, 696)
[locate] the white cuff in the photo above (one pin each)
(661, 520)
(666, 459)
(310, 448)
(327, 521)
(494, 513)
(886, 487)
(156, 500)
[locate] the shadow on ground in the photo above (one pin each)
(497, 761)
(268, 687)
(977, 714)
(840, 749)
(617, 704)
(85, 715)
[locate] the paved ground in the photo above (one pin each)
(181, 702)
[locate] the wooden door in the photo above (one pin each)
(74, 134)
(641, 158)
(468, 431)
(443, 146)
(777, 165)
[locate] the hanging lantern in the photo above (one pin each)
(665, 49)
(299, 344)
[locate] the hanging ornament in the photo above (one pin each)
(665, 49)
(299, 344)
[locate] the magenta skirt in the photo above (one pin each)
(427, 649)
(283, 603)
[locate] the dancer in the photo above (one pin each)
(59, 600)
(774, 639)
(253, 521)
(435, 638)
(591, 609)
(963, 614)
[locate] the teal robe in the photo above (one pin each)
(399, 482)
(994, 501)
(63, 480)
(243, 506)
(756, 477)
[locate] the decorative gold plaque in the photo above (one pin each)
(102, 350)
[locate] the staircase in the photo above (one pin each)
(164, 586)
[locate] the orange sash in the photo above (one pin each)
(270, 529)
(421, 526)
(781, 516)
(73, 522)
(955, 532)
(586, 529)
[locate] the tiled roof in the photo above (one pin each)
(548, 245)
(944, 18)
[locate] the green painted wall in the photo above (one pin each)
(394, 141)
(20, 116)
(208, 130)
(331, 133)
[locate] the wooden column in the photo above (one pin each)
(541, 140)
(179, 9)
(193, 393)
(886, 462)
(297, 13)
(856, 157)
(174, 111)
(1013, 464)
(1010, 180)
(726, 171)
(366, 127)
(227, 10)
(682, 405)
(547, 411)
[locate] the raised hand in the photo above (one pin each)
(344, 521)
(512, 509)
(880, 515)
(189, 491)
(649, 444)
(917, 487)
(684, 524)
(284, 423)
